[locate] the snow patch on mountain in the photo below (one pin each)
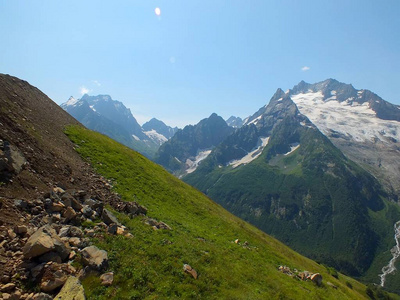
(71, 101)
(135, 137)
(255, 121)
(348, 118)
(293, 147)
(193, 164)
(156, 137)
(249, 157)
(92, 107)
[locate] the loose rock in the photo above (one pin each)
(95, 258)
(109, 218)
(188, 269)
(107, 278)
(45, 240)
(316, 278)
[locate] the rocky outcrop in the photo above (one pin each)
(304, 275)
(95, 258)
(156, 224)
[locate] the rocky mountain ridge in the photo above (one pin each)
(189, 146)
(110, 117)
(360, 123)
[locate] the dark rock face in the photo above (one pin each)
(186, 143)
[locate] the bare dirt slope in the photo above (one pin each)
(35, 154)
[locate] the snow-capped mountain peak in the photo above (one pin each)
(360, 123)
(71, 101)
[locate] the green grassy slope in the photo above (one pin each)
(149, 266)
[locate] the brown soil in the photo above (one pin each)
(34, 124)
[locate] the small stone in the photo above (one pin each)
(87, 211)
(120, 230)
(5, 279)
(36, 271)
(112, 229)
(107, 279)
(57, 207)
(58, 190)
(109, 218)
(332, 285)
(16, 295)
(90, 232)
(64, 231)
(188, 269)
(69, 214)
(11, 234)
(21, 230)
(75, 231)
(316, 278)
(6, 296)
(72, 255)
(42, 296)
(237, 241)
(75, 241)
(7, 287)
(21, 204)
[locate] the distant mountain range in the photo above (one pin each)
(304, 168)
(110, 117)
(235, 122)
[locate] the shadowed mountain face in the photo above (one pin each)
(279, 172)
(189, 146)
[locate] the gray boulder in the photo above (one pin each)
(109, 218)
(44, 240)
(95, 258)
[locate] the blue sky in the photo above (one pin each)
(199, 57)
